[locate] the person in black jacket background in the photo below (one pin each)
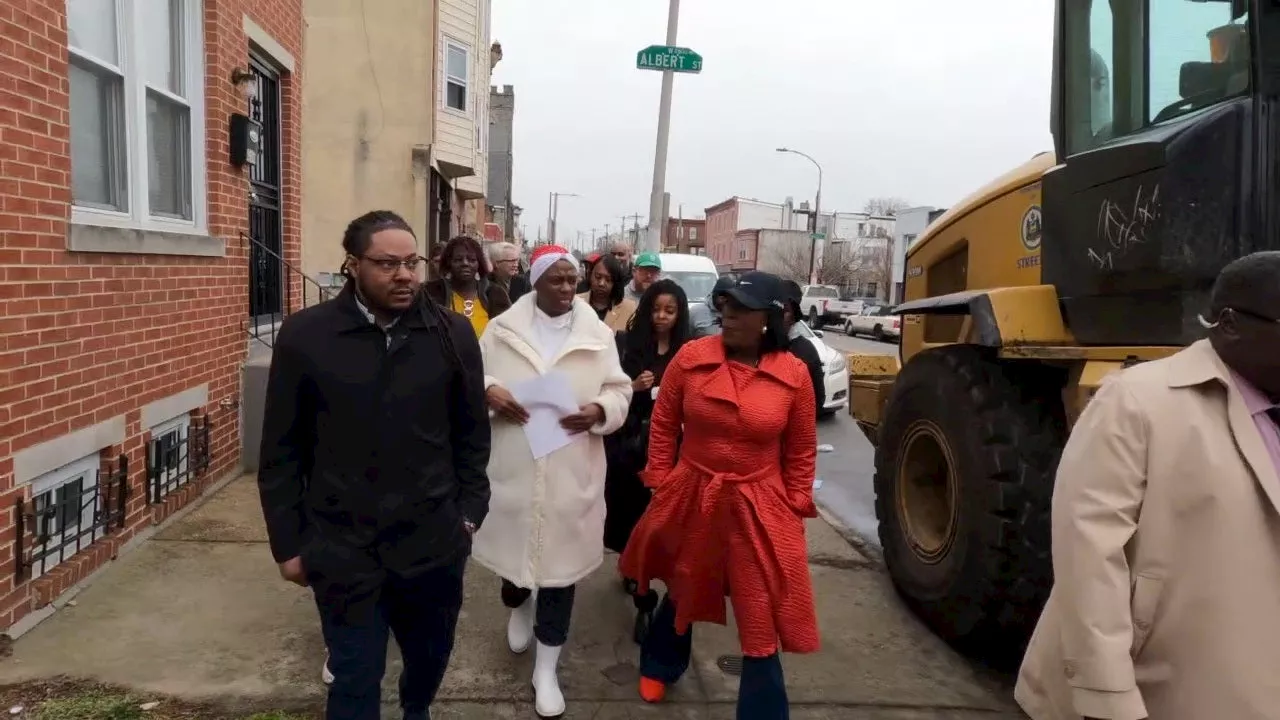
(655, 333)
(371, 492)
(801, 346)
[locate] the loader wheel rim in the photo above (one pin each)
(927, 499)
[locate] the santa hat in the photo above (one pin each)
(544, 257)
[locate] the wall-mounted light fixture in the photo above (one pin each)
(246, 82)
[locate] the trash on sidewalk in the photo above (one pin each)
(817, 483)
(826, 448)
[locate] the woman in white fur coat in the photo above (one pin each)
(545, 528)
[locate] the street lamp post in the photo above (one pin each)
(813, 219)
(553, 214)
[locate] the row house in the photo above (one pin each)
(378, 137)
(727, 245)
(685, 235)
(149, 199)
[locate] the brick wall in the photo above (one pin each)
(85, 337)
(721, 225)
(672, 236)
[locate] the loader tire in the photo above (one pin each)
(964, 476)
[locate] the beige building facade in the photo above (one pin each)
(378, 136)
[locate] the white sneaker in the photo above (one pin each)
(326, 677)
(548, 701)
(520, 627)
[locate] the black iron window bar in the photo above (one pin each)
(176, 458)
(60, 522)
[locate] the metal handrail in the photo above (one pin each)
(263, 326)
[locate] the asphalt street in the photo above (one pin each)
(846, 492)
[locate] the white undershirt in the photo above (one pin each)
(550, 333)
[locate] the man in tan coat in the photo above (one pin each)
(1166, 531)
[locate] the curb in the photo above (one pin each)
(864, 546)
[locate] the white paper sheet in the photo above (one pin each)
(548, 399)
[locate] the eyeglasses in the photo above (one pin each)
(1256, 316)
(390, 265)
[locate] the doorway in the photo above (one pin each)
(266, 226)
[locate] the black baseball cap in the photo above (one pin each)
(758, 291)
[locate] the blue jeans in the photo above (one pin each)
(422, 613)
(762, 693)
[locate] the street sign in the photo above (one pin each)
(818, 236)
(669, 57)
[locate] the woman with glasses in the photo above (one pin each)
(465, 287)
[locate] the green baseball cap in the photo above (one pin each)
(649, 260)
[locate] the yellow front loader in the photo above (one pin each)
(1022, 298)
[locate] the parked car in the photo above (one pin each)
(875, 321)
(695, 274)
(821, 306)
(835, 371)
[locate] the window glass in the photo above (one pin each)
(91, 28)
(168, 157)
(457, 63)
(1125, 62)
(98, 162)
(1194, 32)
(456, 78)
(1100, 63)
(162, 45)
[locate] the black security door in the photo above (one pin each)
(266, 290)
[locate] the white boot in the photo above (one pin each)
(548, 701)
(520, 627)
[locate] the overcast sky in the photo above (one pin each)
(922, 99)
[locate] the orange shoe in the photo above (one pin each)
(652, 691)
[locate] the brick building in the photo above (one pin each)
(727, 245)
(685, 235)
(126, 242)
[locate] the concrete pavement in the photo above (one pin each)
(199, 613)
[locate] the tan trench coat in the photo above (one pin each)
(1166, 555)
(618, 316)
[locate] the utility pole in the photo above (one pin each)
(652, 238)
(553, 216)
(606, 233)
(680, 244)
(551, 199)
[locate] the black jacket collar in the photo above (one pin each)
(352, 318)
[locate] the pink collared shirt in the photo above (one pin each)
(1258, 404)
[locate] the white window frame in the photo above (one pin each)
(182, 425)
(86, 469)
(445, 78)
(129, 39)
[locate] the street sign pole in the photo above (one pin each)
(652, 237)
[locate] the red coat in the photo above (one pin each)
(727, 517)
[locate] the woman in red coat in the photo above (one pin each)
(727, 516)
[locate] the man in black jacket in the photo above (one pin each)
(801, 346)
(371, 489)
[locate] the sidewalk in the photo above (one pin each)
(199, 613)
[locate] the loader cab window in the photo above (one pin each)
(1131, 64)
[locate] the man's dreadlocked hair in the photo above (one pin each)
(356, 241)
